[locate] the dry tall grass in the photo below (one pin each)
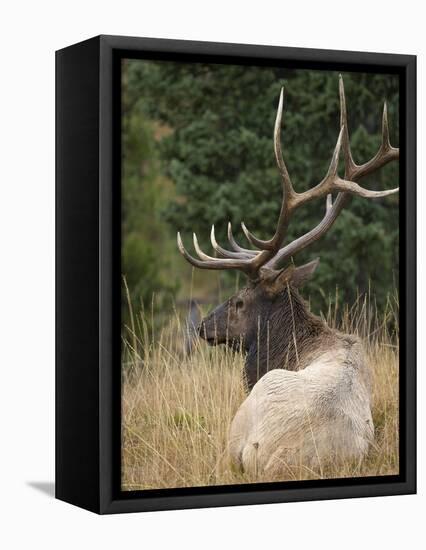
(176, 409)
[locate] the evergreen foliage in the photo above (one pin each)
(144, 236)
(216, 148)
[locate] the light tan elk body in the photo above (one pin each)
(310, 392)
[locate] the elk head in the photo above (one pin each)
(238, 321)
(270, 297)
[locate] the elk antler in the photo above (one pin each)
(269, 253)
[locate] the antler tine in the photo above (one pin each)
(287, 185)
(198, 250)
(346, 146)
(254, 241)
(288, 191)
(227, 253)
(330, 182)
(332, 212)
(385, 128)
(353, 188)
(385, 154)
(236, 246)
(328, 203)
(334, 163)
(216, 263)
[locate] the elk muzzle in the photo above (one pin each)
(214, 328)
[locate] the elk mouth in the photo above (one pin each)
(215, 341)
(211, 341)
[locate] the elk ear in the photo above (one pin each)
(296, 276)
(301, 275)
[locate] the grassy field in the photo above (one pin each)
(176, 409)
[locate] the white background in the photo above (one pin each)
(30, 32)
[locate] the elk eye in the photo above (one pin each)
(239, 304)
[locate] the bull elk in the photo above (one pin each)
(310, 390)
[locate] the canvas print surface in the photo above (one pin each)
(260, 272)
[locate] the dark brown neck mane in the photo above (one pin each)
(288, 334)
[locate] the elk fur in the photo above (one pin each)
(307, 417)
(310, 397)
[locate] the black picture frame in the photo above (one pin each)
(88, 271)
